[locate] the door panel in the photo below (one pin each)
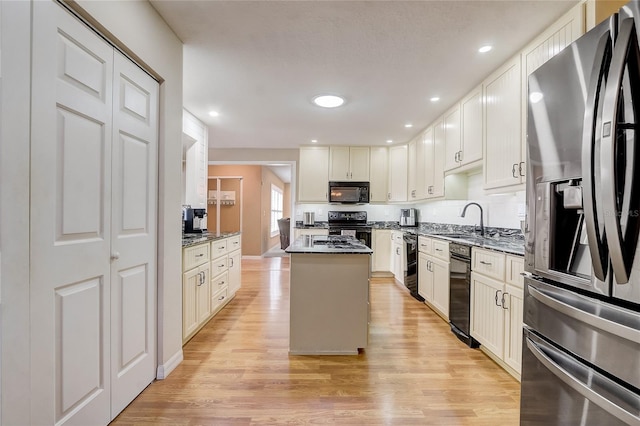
(133, 239)
(70, 220)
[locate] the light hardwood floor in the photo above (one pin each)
(237, 370)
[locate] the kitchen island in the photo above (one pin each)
(329, 295)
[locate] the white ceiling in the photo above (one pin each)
(259, 63)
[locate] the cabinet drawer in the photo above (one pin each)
(219, 247)
(425, 245)
(219, 298)
(514, 270)
(233, 243)
(489, 263)
(194, 256)
(219, 282)
(441, 249)
(219, 265)
(396, 237)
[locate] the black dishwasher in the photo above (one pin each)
(460, 292)
(411, 267)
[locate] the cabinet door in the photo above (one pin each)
(359, 163)
(437, 187)
(379, 174)
(398, 173)
(429, 158)
(381, 245)
(190, 282)
(313, 174)
(203, 295)
(452, 138)
(503, 127)
(471, 134)
(196, 162)
(339, 163)
(425, 278)
(514, 314)
(421, 168)
(487, 317)
(235, 264)
(411, 170)
(398, 264)
(440, 271)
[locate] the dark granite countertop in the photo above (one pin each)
(327, 244)
(194, 239)
(500, 239)
(320, 225)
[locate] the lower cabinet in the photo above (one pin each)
(497, 307)
(210, 279)
(433, 274)
(397, 260)
(381, 245)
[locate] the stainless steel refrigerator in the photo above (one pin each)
(581, 338)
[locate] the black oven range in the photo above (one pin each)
(353, 223)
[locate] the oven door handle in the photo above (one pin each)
(576, 384)
(567, 304)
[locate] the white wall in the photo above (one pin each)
(139, 29)
(500, 211)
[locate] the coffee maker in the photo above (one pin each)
(195, 220)
(408, 217)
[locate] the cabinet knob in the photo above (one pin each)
(115, 255)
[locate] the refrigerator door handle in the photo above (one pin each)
(590, 138)
(621, 256)
(568, 304)
(576, 384)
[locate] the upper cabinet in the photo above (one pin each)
(451, 128)
(379, 181)
(349, 163)
(196, 151)
(471, 129)
(503, 156)
(435, 160)
(313, 174)
(397, 173)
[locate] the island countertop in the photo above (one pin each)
(327, 244)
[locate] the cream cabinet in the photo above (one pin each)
(503, 155)
(379, 174)
(433, 274)
(435, 151)
(195, 161)
(349, 163)
(381, 245)
(417, 170)
(471, 129)
(313, 174)
(397, 173)
(451, 124)
(196, 306)
(397, 260)
(211, 277)
(497, 306)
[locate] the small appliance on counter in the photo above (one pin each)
(194, 220)
(408, 217)
(308, 218)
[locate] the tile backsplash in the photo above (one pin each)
(500, 211)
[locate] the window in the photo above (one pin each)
(276, 209)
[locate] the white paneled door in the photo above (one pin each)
(93, 224)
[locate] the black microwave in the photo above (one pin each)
(349, 192)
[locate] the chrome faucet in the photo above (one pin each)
(464, 210)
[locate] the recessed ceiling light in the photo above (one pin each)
(485, 49)
(328, 101)
(389, 141)
(408, 125)
(214, 113)
(434, 99)
(314, 140)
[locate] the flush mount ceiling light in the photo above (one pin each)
(328, 101)
(389, 141)
(214, 113)
(408, 125)
(314, 140)
(485, 49)
(434, 99)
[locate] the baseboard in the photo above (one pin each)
(165, 369)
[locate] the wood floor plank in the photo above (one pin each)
(237, 370)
